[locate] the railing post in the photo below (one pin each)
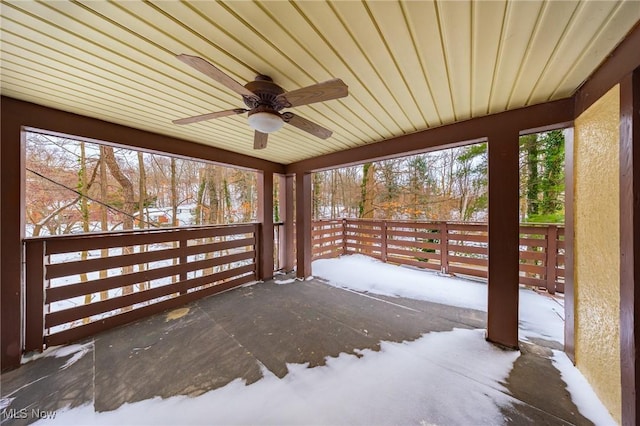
(257, 233)
(182, 260)
(444, 251)
(383, 241)
(552, 258)
(344, 236)
(36, 283)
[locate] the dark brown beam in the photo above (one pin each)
(303, 225)
(630, 246)
(11, 233)
(550, 115)
(622, 61)
(69, 124)
(265, 217)
(569, 303)
(502, 310)
(287, 248)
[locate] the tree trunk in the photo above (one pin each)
(317, 192)
(200, 197)
(533, 182)
(84, 213)
(128, 205)
(174, 195)
(367, 189)
(104, 222)
(142, 196)
(174, 210)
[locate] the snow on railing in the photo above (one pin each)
(78, 285)
(448, 247)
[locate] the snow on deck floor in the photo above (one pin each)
(441, 378)
(541, 316)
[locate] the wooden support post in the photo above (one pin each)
(265, 217)
(12, 215)
(303, 225)
(502, 316)
(551, 258)
(285, 201)
(630, 246)
(35, 260)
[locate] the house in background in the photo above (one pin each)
(421, 76)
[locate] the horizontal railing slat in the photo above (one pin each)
(124, 239)
(415, 263)
(468, 260)
(482, 273)
(415, 254)
(459, 248)
(533, 255)
(113, 303)
(533, 281)
(332, 239)
(420, 245)
(94, 327)
(57, 270)
(359, 240)
(410, 234)
(468, 237)
(79, 289)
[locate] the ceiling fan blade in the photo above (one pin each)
(306, 125)
(212, 71)
(332, 89)
(209, 116)
(260, 140)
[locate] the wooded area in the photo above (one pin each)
(449, 185)
(75, 186)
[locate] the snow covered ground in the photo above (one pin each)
(439, 379)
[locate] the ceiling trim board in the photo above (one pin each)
(65, 123)
(554, 114)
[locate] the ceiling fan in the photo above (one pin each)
(265, 100)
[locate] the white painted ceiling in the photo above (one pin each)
(409, 65)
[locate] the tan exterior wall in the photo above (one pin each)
(597, 248)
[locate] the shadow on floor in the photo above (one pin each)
(210, 343)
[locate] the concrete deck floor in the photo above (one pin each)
(266, 324)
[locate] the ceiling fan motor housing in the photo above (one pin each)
(267, 92)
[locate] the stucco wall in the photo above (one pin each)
(597, 248)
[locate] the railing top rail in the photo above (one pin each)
(172, 229)
(452, 222)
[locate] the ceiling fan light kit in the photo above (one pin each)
(265, 122)
(265, 99)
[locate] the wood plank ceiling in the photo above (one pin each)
(409, 65)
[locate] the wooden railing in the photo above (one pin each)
(451, 248)
(125, 276)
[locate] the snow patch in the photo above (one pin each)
(441, 378)
(5, 402)
(287, 281)
(76, 352)
(581, 392)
